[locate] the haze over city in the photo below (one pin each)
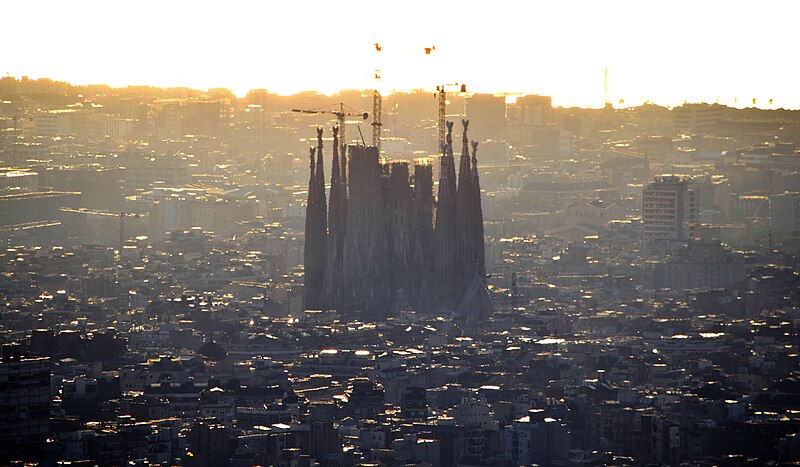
(399, 234)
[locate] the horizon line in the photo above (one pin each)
(239, 95)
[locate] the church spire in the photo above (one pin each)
(315, 247)
(446, 234)
(464, 170)
(334, 207)
(464, 214)
(319, 174)
(336, 222)
(311, 184)
(423, 296)
(477, 232)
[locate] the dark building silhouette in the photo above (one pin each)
(398, 198)
(446, 234)
(25, 397)
(378, 241)
(365, 271)
(315, 248)
(422, 294)
(469, 217)
(208, 445)
(414, 403)
(337, 219)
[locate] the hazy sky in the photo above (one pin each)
(664, 51)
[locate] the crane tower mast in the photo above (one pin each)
(376, 119)
(376, 106)
(442, 95)
(441, 122)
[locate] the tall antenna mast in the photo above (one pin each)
(605, 87)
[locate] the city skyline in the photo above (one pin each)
(560, 257)
(667, 53)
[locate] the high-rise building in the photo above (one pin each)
(698, 118)
(378, 238)
(669, 210)
(784, 213)
(487, 114)
(532, 110)
(208, 445)
(25, 396)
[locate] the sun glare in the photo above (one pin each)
(662, 52)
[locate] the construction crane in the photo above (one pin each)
(442, 95)
(376, 106)
(340, 116)
(376, 119)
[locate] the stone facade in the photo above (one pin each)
(385, 237)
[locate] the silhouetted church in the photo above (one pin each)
(383, 235)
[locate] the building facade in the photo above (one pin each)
(378, 241)
(669, 210)
(698, 118)
(25, 396)
(702, 265)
